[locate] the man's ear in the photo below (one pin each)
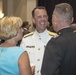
(72, 20)
(55, 20)
(47, 17)
(33, 20)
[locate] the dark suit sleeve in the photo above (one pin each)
(51, 59)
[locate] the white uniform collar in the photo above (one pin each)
(44, 37)
(43, 34)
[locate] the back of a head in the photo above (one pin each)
(9, 27)
(64, 11)
(25, 23)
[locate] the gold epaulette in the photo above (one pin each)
(29, 34)
(74, 31)
(52, 33)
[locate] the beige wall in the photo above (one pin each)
(30, 5)
(0, 5)
(10, 7)
(21, 8)
(1, 10)
(4, 7)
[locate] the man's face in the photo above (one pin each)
(40, 19)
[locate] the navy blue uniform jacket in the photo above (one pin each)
(60, 54)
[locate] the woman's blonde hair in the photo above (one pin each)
(9, 27)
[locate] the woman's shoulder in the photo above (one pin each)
(14, 49)
(17, 48)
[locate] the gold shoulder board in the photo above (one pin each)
(29, 34)
(52, 33)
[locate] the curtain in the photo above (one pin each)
(50, 4)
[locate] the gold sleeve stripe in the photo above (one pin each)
(29, 34)
(52, 33)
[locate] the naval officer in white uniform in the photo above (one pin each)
(35, 42)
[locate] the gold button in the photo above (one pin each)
(38, 59)
(39, 38)
(38, 48)
(38, 71)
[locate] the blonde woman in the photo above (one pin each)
(13, 60)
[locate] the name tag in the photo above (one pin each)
(30, 46)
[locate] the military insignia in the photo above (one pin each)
(29, 34)
(30, 46)
(52, 33)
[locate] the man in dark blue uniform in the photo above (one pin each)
(60, 53)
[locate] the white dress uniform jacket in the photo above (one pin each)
(34, 43)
